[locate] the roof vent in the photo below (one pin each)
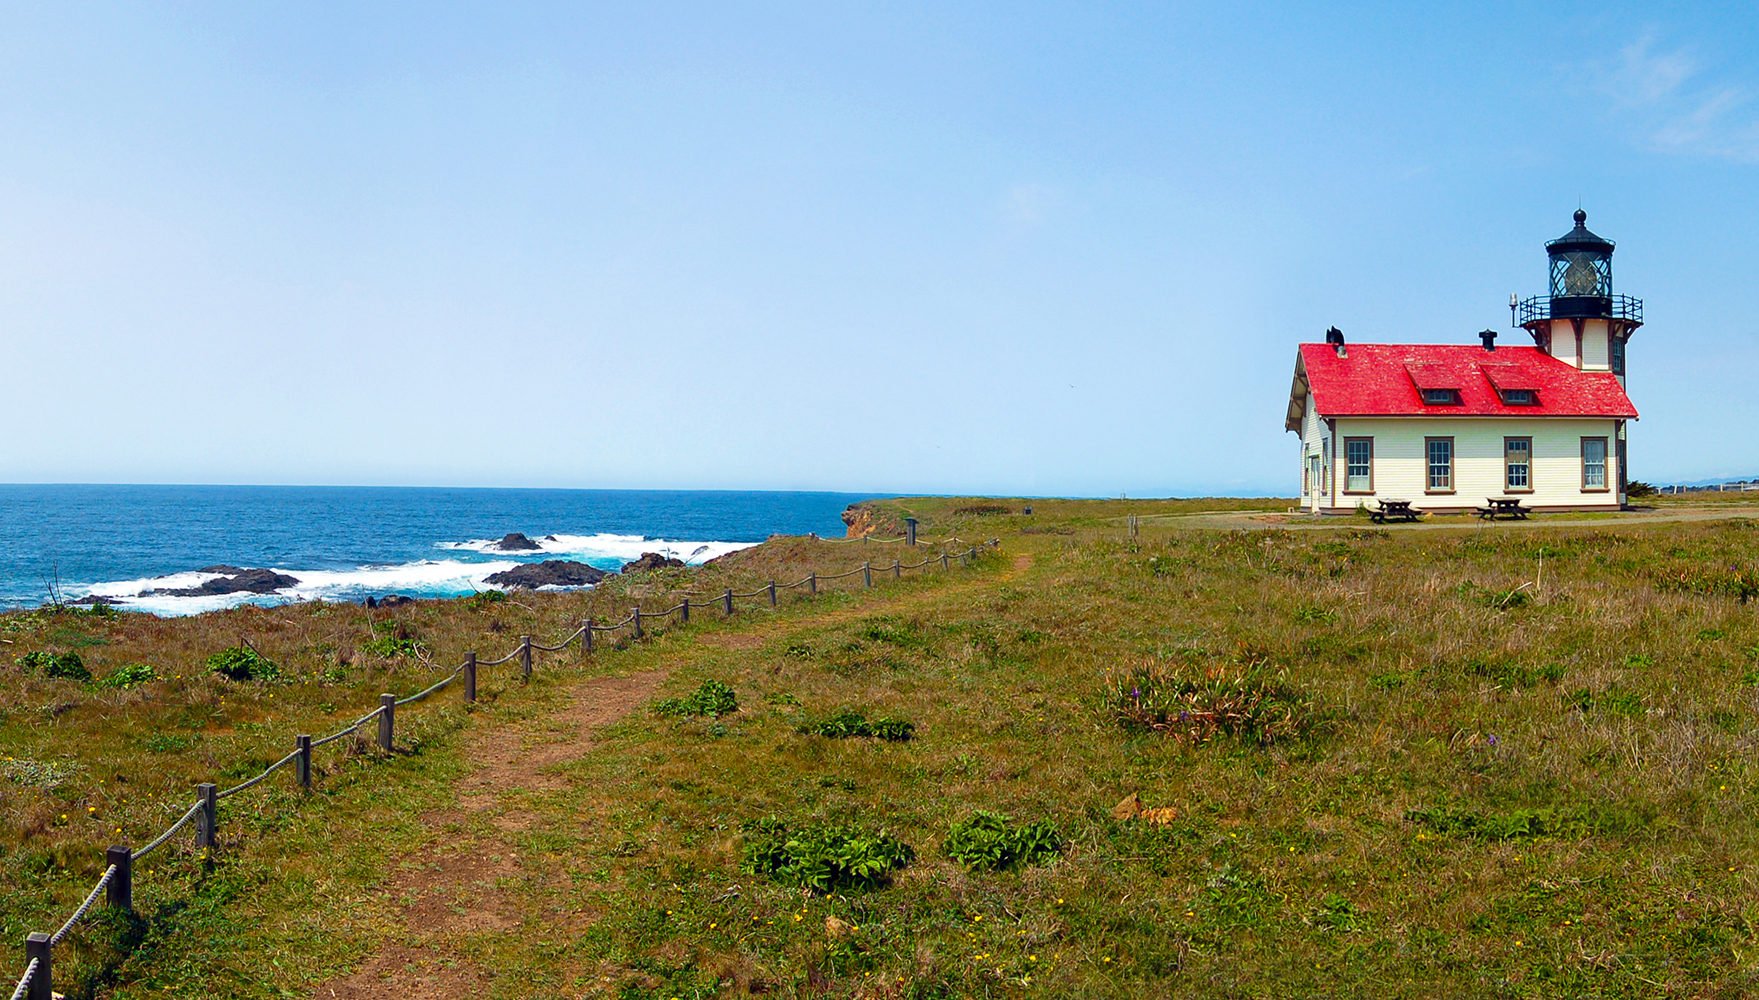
(1335, 337)
(1489, 338)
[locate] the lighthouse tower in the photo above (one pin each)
(1582, 322)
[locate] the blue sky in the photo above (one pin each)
(1017, 248)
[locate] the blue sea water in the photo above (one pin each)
(345, 543)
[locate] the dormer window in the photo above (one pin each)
(1441, 397)
(1520, 397)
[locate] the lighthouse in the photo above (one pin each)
(1582, 322)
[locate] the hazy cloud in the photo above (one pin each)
(1679, 110)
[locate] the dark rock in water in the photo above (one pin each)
(551, 538)
(95, 599)
(515, 542)
(651, 560)
(549, 573)
(233, 580)
(394, 601)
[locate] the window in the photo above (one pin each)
(1517, 464)
(1441, 397)
(1358, 465)
(1519, 397)
(1440, 454)
(1594, 463)
(1618, 355)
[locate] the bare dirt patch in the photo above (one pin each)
(398, 972)
(453, 890)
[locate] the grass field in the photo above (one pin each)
(1473, 762)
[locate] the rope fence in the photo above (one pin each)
(117, 882)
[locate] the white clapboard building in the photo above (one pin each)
(1448, 427)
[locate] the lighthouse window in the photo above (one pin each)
(1441, 397)
(1594, 463)
(1440, 455)
(1618, 355)
(1517, 464)
(1519, 397)
(1358, 465)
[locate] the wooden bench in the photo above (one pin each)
(1510, 507)
(1394, 510)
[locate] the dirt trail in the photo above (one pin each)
(453, 891)
(450, 890)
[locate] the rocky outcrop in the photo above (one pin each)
(231, 580)
(863, 520)
(514, 541)
(651, 561)
(95, 600)
(389, 601)
(549, 573)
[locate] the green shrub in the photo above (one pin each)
(1514, 674)
(241, 663)
(34, 660)
(823, 857)
(712, 699)
(388, 646)
(1194, 704)
(67, 665)
(987, 840)
(128, 675)
(1613, 700)
(849, 723)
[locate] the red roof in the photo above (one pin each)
(1384, 379)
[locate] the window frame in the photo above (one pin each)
(1506, 488)
(1453, 397)
(1508, 397)
(1369, 440)
(1605, 460)
(1453, 474)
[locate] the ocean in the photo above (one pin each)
(348, 543)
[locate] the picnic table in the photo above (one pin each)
(1495, 507)
(1390, 510)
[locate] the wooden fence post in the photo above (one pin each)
(867, 574)
(586, 637)
(387, 719)
(812, 583)
(119, 893)
(208, 819)
(910, 531)
(302, 763)
(43, 983)
(684, 610)
(470, 677)
(637, 618)
(727, 601)
(772, 593)
(897, 570)
(943, 560)
(525, 656)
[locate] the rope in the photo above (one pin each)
(496, 663)
(235, 789)
(137, 855)
(559, 646)
(24, 984)
(55, 938)
(419, 695)
(338, 734)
